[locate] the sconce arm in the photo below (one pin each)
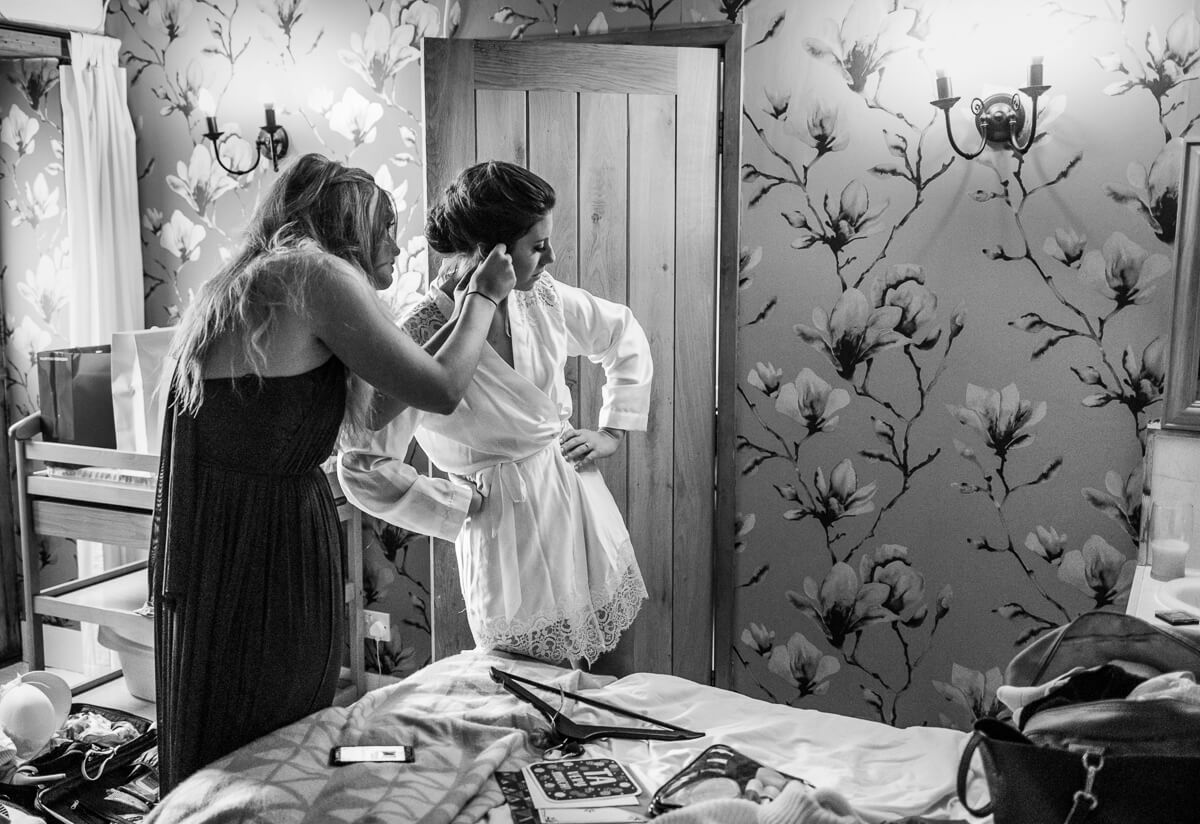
(946, 104)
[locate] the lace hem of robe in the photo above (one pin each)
(584, 632)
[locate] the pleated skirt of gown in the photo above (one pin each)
(246, 565)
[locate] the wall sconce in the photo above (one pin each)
(1000, 118)
(272, 139)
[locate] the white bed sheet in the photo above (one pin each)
(885, 772)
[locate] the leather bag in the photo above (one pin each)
(1109, 761)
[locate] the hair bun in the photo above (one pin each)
(437, 232)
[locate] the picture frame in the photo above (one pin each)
(1181, 390)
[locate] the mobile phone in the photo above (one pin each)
(400, 753)
(1177, 617)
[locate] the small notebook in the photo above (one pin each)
(580, 782)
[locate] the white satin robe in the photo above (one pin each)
(546, 567)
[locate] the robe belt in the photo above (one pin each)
(505, 478)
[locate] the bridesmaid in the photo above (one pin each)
(277, 353)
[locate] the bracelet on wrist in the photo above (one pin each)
(485, 296)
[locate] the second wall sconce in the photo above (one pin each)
(272, 139)
(1000, 118)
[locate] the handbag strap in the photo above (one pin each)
(964, 771)
(1085, 801)
(104, 754)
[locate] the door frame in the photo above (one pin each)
(727, 39)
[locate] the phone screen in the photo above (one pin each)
(352, 755)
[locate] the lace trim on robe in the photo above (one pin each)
(567, 635)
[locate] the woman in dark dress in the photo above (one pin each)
(286, 345)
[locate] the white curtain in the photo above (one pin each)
(102, 221)
(102, 204)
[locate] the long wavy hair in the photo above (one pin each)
(317, 208)
(488, 203)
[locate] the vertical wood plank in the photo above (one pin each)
(500, 116)
(449, 106)
(695, 377)
(554, 154)
(652, 278)
(603, 270)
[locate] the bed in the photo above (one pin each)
(465, 727)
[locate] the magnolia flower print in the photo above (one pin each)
(904, 287)
(810, 401)
(1123, 271)
(172, 17)
(18, 131)
(1154, 194)
(1046, 543)
(424, 17)
(758, 638)
(181, 237)
(1121, 499)
(822, 131)
(1002, 418)
(854, 332)
(974, 692)
(40, 203)
(841, 606)
(47, 286)
(35, 79)
(802, 665)
(1066, 246)
(836, 497)
(354, 117)
(860, 46)
(201, 181)
(854, 219)
(381, 51)
(1099, 570)
(765, 378)
(399, 193)
(889, 565)
(29, 338)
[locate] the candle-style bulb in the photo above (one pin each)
(1036, 78)
(269, 111)
(211, 122)
(944, 89)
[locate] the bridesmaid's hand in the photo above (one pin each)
(495, 277)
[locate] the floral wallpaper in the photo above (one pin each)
(34, 249)
(946, 366)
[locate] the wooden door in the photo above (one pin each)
(628, 136)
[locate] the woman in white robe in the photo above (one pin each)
(546, 564)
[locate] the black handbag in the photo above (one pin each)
(1107, 761)
(92, 769)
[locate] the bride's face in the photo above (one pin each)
(531, 253)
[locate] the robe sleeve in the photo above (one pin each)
(375, 477)
(608, 334)
(377, 480)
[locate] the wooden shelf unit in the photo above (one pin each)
(120, 514)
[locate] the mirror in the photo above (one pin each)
(1181, 393)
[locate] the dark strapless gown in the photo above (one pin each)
(246, 565)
